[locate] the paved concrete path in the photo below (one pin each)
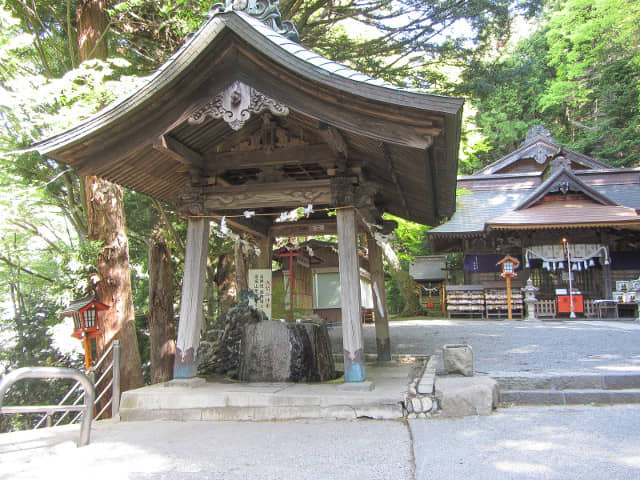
(296, 450)
(520, 346)
(551, 443)
(556, 443)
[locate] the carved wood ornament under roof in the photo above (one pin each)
(236, 104)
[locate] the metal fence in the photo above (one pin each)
(108, 382)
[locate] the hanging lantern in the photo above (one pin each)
(84, 313)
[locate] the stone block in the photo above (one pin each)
(458, 359)
(274, 351)
(459, 396)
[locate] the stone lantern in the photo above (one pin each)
(530, 299)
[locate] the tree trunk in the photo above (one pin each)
(242, 261)
(161, 315)
(93, 22)
(404, 281)
(106, 223)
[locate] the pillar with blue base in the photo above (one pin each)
(191, 313)
(352, 336)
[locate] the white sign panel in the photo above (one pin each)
(260, 284)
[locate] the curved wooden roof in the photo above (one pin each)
(402, 145)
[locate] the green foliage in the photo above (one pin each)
(578, 75)
(410, 240)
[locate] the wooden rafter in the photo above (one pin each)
(178, 151)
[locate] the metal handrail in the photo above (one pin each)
(53, 372)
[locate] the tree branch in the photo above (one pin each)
(25, 270)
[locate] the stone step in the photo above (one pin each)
(568, 381)
(570, 396)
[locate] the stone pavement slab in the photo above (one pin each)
(551, 443)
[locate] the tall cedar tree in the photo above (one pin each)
(106, 224)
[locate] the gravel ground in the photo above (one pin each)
(516, 346)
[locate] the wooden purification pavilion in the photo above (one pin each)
(243, 118)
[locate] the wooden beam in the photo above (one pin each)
(352, 336)
(320, 154)
(256, 226)
(178, 151)
(311, 227)
(191, 313)
(268, 195)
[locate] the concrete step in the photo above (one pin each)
(569, 397)
(264, 413)
(381, 397)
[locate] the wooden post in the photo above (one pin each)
(191, 312)
(509, 298)
(383, 344)
(87, 351)
(352, 337)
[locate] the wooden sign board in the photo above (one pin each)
(260, 283)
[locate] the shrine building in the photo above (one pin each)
(244, 123)
(567, 217)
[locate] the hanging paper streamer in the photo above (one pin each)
(582, 255)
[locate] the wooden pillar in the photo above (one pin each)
(195, 264)
(383, 344)
(352, 337)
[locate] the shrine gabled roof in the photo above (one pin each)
(418, 132)
(563, 179)
(540, 146)
(516, 201)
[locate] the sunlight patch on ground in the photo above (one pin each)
(619, 368)
(435, 323)
(528, 445)
(522, 467)
(58, 457)
(524, 349)
(630, 461)
(604, 356)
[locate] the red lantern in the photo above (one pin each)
(85, 326)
